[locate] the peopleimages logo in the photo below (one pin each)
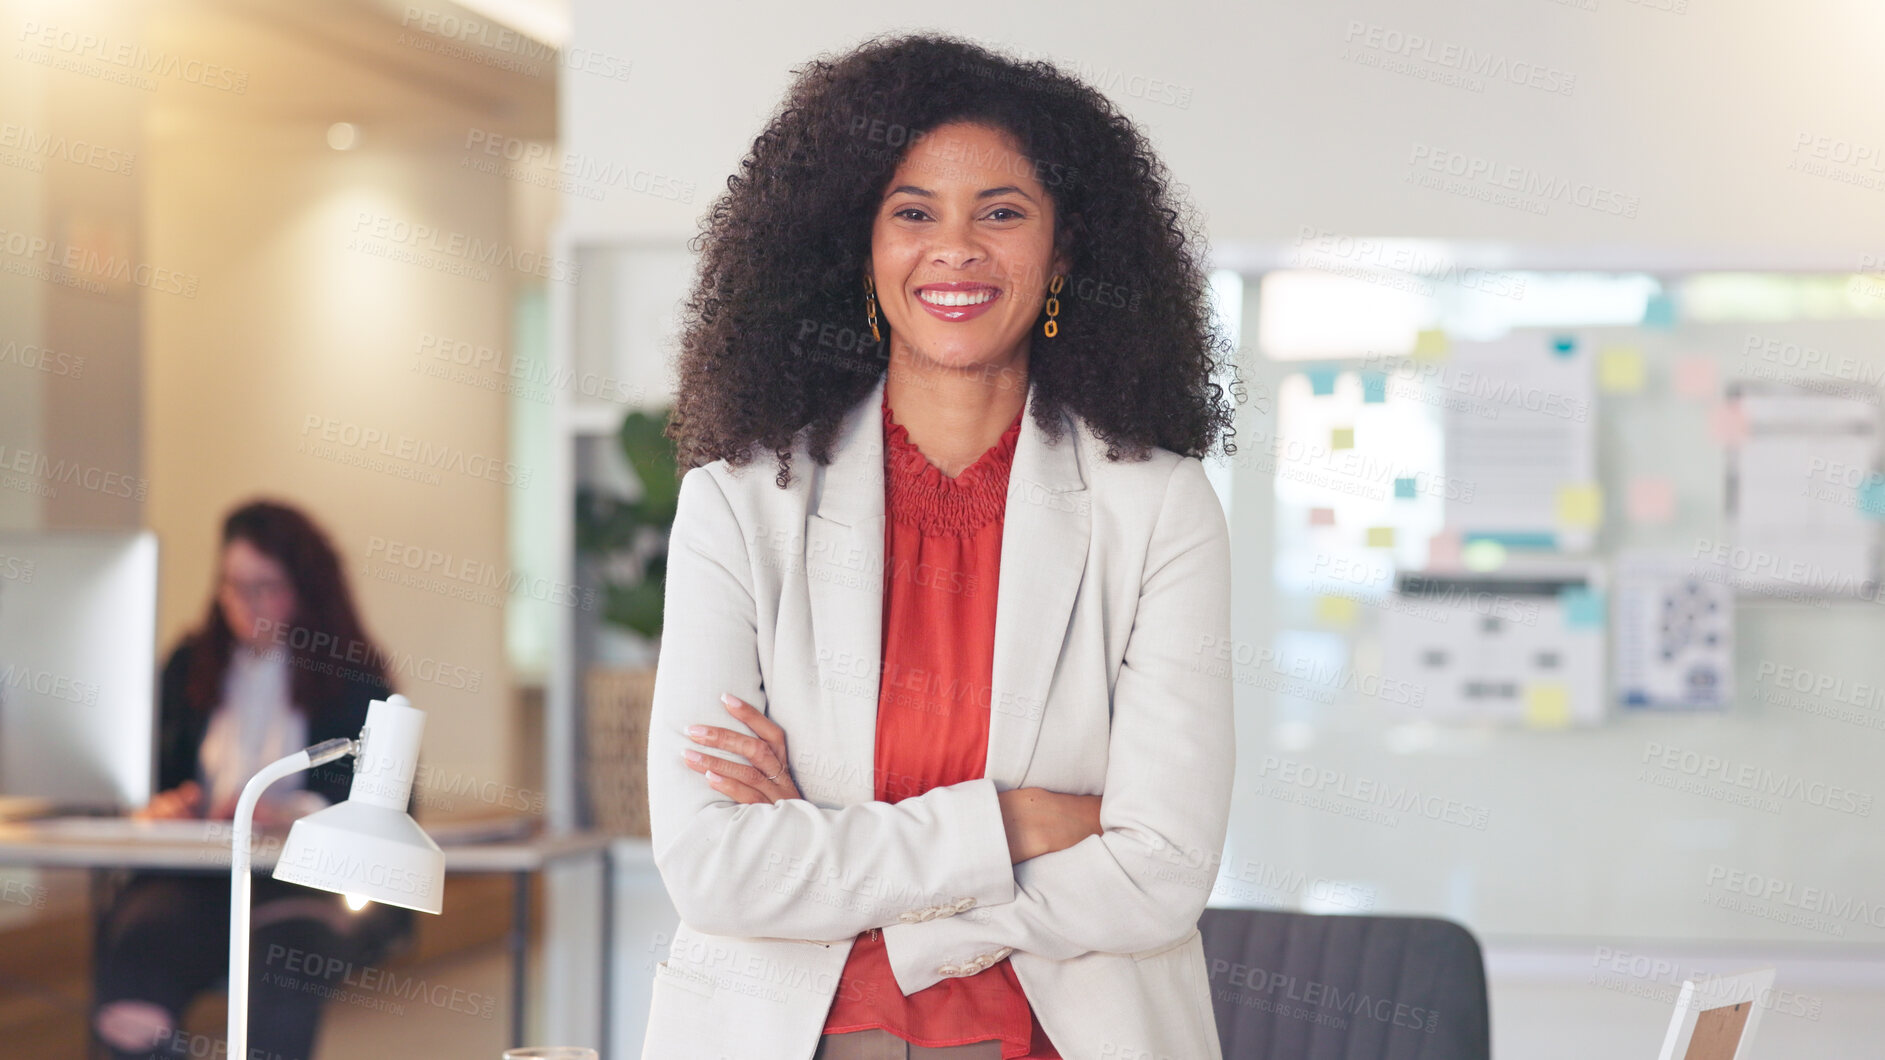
(478, 573)
(460, 247)
(429, 456)
(71, 473)
(328, 653)
(13, 677)
(1401, 798)
(130, 59)
(337, 979)
(1817, 901)
(1257, 982)
(1704, 766)
(88, 263)
(313, 864)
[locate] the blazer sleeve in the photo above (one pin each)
(789, 869)
(1170, 757)
(179, 735)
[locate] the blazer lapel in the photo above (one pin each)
(1046, 528)
(844, 571)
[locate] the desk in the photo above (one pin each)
(97, 844)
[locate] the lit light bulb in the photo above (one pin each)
(356, 902)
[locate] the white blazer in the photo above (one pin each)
(1112, 618)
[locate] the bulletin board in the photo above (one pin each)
(1715, 775)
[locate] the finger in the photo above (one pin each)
(750, 748)
(755, 719)
(726, 767)
(767, 730)
(734, 789)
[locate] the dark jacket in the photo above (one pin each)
(180, 732)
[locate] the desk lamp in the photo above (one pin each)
(367, 848)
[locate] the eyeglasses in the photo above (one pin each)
(258, 588)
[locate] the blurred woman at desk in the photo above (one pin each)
(244, 689)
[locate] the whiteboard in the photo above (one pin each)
(1757, 823)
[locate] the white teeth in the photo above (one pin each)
(955, 298)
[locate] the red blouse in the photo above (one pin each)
(942, 559)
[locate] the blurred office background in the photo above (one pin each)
(1555, 509)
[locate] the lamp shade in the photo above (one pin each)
(368, 846)
(375, 853)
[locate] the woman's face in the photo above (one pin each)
(256, 594)
(964, 220)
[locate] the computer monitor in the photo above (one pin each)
(78, 627)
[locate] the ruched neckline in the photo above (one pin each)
(917, 493)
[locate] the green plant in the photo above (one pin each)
(627, 540)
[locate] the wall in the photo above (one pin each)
(304, 367)
(70, 300)
(1292, 120)
(300, 338)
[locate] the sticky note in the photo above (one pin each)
(1443, 551)
(1430, 344)
(1483, 555)
(1583, 607)
(1694, 377)
(1580, 504)
(1659, 311)
(1380, 537)
(1871, 496)
(1406, 489)
(1342, 438)
(1547, 705)
(1338, 611)
(1652, 499)
(1728, 423)
(1322, 517)
(1620, 370)
(1374, 388)
(1321, 381)
(1564, 345)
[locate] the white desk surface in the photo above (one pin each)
(119, 842)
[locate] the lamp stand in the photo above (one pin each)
(240, 886)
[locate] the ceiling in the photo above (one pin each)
(420, 79)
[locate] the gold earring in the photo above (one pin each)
(870, 308)
(1052, 327)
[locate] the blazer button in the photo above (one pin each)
(948, 969)
(909, 918)
(962, 903)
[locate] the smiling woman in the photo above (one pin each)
(932, 763)
(926, 161)
(959, 269)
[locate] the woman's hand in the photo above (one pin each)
(184, 800)
(1039, 821)
(275, 812)
(766, 779)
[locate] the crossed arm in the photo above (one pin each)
(789, 869)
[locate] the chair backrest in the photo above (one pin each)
(1299, 986)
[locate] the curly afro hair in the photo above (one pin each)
(774, 339)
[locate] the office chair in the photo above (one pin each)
(1299, 986)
